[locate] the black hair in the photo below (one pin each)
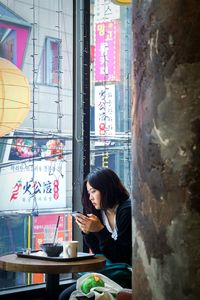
(110, 186)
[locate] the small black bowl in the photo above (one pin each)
(51, 249)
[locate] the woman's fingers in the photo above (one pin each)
(82, 226)
(81, 218)
(89, 223)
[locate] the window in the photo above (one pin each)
(36, 158)
(49, 68)
(110, 97)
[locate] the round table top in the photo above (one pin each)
(14, 263)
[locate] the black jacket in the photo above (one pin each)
(119, 250)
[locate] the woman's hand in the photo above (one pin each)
(89, 223)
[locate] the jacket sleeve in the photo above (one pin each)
(119, 250)
(92, 242)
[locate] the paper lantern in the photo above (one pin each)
(14, 97)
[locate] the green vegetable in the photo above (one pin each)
(90, 282)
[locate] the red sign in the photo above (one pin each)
(44, 230)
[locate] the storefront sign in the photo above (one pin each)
(22, 187)
(107, 51)
(105, 110)
(105, 10)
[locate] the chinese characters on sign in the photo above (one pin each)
(35, 187)
(105, 110)
(107, 51)
(48, 186)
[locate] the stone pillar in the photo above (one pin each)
(166, 149)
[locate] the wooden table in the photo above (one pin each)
(52, 269)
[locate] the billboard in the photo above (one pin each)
(107, 51)
(42, 185)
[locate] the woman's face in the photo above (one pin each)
(94, 196)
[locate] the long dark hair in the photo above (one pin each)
(110, 186)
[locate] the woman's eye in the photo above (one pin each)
(91, 192)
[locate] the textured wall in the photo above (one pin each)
(166, 149)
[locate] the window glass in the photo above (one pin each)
(110, 87)
(36, 155)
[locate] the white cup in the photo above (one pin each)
(70, 249)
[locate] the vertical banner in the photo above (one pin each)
(103, 158)
(105, 110)
(107, 51)
(106, 10)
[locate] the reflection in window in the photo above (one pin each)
(8, 44)
(13, 41)
(49, 64)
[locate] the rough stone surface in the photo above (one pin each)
(166, 149)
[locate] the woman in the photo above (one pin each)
(106, 223)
